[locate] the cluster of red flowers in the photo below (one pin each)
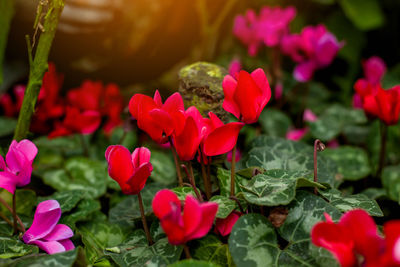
(188, 133)
(376, 101)
(81, 112)
(356, 235)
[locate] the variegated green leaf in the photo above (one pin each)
(163, 168)
(274, 122)
(67, 199)
(391, 181)
(225, 206)
(79, 174)
(11, 247)
(126, 211)
(193, 263)
(82, 212)
(66, 259)
(276, 187)
(352, 162)
(277, 153)
(224, 181)
(346, 203)
(211, 249)
(182, 192)
(156, 231)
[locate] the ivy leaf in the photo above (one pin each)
(346, 203)
(136, 252)
(67, 199)
(391, 181)
(12, 247)
(79, 173)
(163, 168)
(211, 249)
(352, 162)
(276, 187)
(96, 236)
(125, 212)
(277, 153)
(59, 259)
(225, 206)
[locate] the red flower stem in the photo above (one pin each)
(178, 169)
(382, 154)
(146, 228)
(318, 146)
(84, 145)
(187, 252)
(207, 183)
(192, 181)
(11, 210)
(38, 63)
(233, 162)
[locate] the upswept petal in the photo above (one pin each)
(165, 202)
(46, 218)
(67, 244)
(120, 167)
(392, 238)
(222, 139)
(157, 98)
(28, 148)
(140, 155)
(175, 231)
(138, 180)
(89, 121)
(208, 212)
(261, 80)
(224, 226)
(188, 141)
(216, 122)
(3, 165)
(60, 232)
(229, 85)
(163, 120)
(174, 103)
(139, 101)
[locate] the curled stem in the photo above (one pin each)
(318, 146)
(11, 210)
(192, 181)
(146, 228)
(178, 169)
(233, 162)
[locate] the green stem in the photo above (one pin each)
(146, 228)
(233, 163)
(6, 15)
(38, 68)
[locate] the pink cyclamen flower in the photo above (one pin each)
(195, 221)
(234, 67)
(245, 28)
(130, 171)
(238, 155)
(308, 115)
(224, 226)
(45, 232)
(247, 96)
(374, 69)
(273, 24)
(296, 134)
(314, 48)
(16, 169)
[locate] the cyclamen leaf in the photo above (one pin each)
(59, 259)
(211, 249)
(163, 168)
(224, 181)
(7, 126)
(67, 199)
(85, 208)
(276, 187)
(346, 203)
(11, 247)
(391, 181)
(274, 122)
(182, 192)
(272, 153)
(193, 263)
(225, 206)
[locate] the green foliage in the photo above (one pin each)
(163, 168)
(66, 259)
(276, 153)
(391, 181)
(365, 14)
(225, 205)
(212, 250)
(192, 263)
(7, 125)
(274, 122)
(224, 182)
(12, 247)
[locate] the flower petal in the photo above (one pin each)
(51, 247)
(60, 232)
(28, 148)
(67, 244)
(8, 181)
(120, 167)
(222, 139)
(229, 85)
(45, 219)
(165, 202)
(208, 212)
(174, 103)
(140, 155)
(139, 178)
(192, 216)
(188, 141)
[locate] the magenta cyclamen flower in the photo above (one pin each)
(314, 48)
(245, 29)
(45, 232)
(16, 169)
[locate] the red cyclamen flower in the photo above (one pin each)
(195, 222)
(130, 171)
(155, 118)
(357, 234)
(247, 96)
(224, 226)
